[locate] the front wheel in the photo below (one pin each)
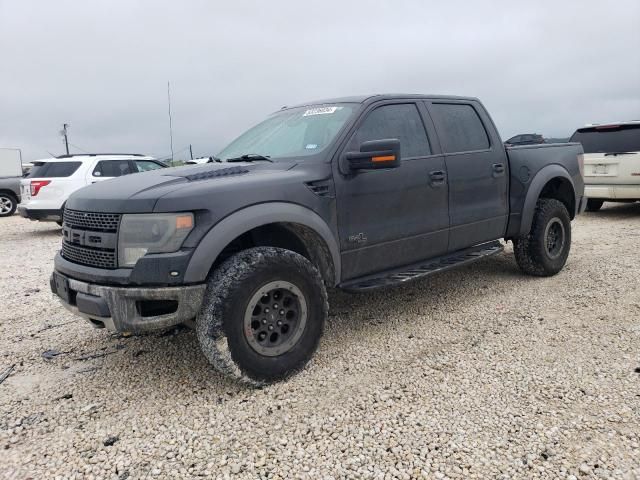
(263, 315)
(544, 251)
(8, 204)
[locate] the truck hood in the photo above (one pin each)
(139, 193)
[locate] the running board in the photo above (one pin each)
(422, 269)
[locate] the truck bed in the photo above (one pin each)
(526, 161)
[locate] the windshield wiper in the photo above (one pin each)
(620, 153)
(250, 157)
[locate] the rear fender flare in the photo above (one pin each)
(249, 218)
(535, 189)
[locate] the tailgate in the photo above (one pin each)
(612, 169)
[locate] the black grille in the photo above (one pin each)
(89, 256)
(77, 251)
(102, 222)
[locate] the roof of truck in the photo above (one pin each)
(382, 96)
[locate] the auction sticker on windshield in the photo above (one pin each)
(320, 111)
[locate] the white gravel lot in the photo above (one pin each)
(480, 372)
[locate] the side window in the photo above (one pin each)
(146, 165)
(460, 128)
(112, 168)
(400, 121)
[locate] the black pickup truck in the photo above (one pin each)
(355, 193)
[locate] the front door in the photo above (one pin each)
(392, 217)
(478, 172)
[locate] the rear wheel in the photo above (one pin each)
(593, 205)
(263, 315)
(544, 251)
(8, 204)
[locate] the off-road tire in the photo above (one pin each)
(531, 251)
(9, 203)
(593, 205)
(220, 325)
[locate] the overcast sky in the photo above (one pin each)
(103, 67)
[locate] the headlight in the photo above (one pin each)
(151, 233)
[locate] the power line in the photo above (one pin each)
(78, 148)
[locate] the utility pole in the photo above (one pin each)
(190, 151)
(63, 132)
(170, 127)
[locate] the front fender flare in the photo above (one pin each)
(535, 189)
(248, 218)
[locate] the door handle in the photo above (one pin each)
(437, 177)
(498, 167)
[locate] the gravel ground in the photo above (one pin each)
(475, 373)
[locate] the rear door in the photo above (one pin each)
(392, 217)
(107, 169)
(477, 169)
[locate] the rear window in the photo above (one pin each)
(460, 128)
(606, 139)
(53, 169)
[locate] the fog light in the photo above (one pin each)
(131, 255)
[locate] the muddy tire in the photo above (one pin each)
(8, 204)
(593, 205)
(263, 315)
(544, 251)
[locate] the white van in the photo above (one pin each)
(10, 175)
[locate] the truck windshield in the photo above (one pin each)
(294, 132)
(608, 138)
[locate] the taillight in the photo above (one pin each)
(36, 185)
(581, 164)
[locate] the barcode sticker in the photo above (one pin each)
(321, 111)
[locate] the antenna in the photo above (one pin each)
(170, 126)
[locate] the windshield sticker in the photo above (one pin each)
(321, 111)
(311, 146)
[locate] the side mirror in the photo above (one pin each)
(375, 154)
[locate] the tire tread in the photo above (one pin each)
(529, 249)
(229, 277)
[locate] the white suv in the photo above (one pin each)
(611, 162)
(50, 182)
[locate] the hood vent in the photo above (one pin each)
(322, 188)
(218, 172)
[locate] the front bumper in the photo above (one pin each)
(613, 192)
(40, 214)
(127, 309)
